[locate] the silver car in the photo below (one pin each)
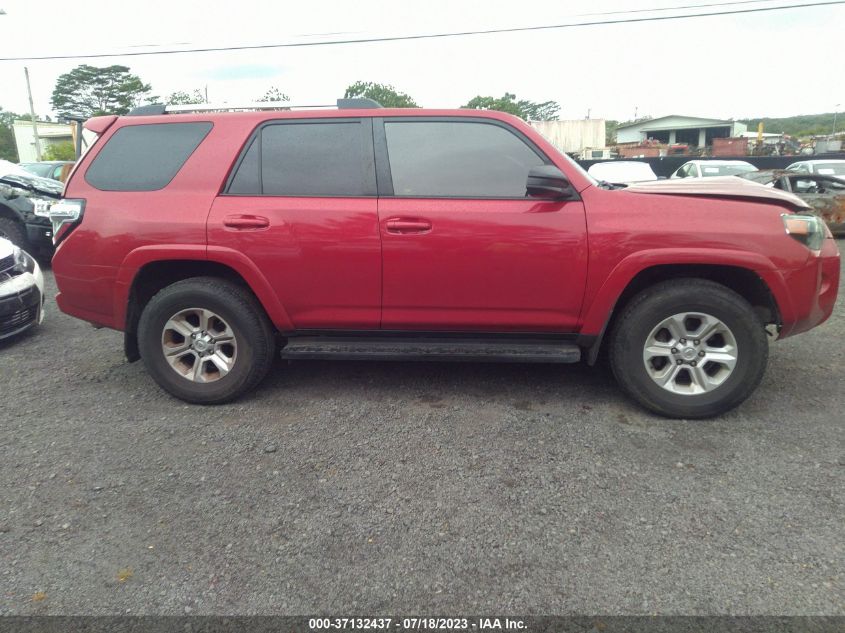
(21, 290)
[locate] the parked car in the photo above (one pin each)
(25, 202)
(711, 168)
(21, 290)
(52, 169)
(621, 172)
(215, 239)
(822, 167)
(825, 194)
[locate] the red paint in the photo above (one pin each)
(397, 263)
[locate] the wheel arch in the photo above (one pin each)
(139, 280)
(745, 281)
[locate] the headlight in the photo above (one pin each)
(810, 230)
(41, 207)
(23, 262)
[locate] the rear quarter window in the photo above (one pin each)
(145, 157)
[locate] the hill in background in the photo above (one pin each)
(802, 125)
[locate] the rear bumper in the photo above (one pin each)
(810, 291)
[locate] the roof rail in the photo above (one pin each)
(160, 108)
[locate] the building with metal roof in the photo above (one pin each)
(675, 128)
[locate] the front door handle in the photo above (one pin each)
(245, 222)
(404, 226)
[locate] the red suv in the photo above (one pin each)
(217, 240)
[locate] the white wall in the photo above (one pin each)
(573, 135)
(49, 133)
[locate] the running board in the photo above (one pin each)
(432, 349)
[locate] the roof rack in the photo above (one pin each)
(160, 108)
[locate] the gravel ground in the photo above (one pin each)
(364, 488)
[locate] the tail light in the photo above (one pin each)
(64, 216)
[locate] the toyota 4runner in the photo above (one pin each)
(217, 240)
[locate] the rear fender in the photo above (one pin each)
(235, 260)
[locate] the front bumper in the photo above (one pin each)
(812, 291)
(39, 233)
(21, 300)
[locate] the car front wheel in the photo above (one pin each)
(688, 348)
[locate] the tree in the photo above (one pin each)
(8, 147)
(90, 91)
(528, 110)
(186, 98)
(610, 127)
(274, 94)
(60, 151)
(385, 94)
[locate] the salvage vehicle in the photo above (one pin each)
(712, 168)
(21, 290)
(835, 168)
(825, 194)
(217, 240)
(25, 202)
(52, 169)
(620, 172)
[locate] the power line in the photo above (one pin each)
(424, 36)
(675, 8)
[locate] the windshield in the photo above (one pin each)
(622, 172)
(831, 169)
(39, 169)
(578, 168)
(725, 170)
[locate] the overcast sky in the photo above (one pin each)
(777, 63)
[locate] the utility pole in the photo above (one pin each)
(32, 115)
(835, 111)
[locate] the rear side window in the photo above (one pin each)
(145, 157)
(458, 159)
(326, 158)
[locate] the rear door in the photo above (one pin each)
(463, 247)
(301, 205)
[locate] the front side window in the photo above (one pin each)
(145, 157)
(458, 159)
(307, 159)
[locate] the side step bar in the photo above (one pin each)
(433, 349)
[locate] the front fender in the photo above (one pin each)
(598, 309)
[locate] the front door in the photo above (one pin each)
(463, 247)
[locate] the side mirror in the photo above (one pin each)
(549, 183)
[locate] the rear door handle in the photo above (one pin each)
(245, 222)
(404, 226)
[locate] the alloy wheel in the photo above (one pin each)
(690, 353)
(199, 345)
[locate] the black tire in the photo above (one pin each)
(238, 308)
(13, 231)
(646, 310)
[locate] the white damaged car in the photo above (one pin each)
(21, 290)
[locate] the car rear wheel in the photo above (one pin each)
(688, 348)
(205, 340)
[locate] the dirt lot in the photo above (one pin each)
(356, 488)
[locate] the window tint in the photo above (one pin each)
(246, 180)
(457, 159)
(316, 159)
(145, 157)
